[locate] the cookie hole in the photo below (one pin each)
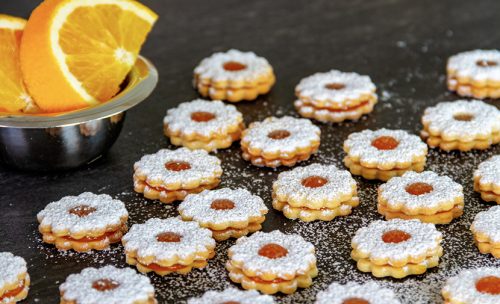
(419, 188)
(82, 210)
(177, 166)
(395, 236)
(105, 285)
(314, 181)
(169, 237)
(385, 143)
(279, 134)
(334, 86)
(231, 302)
(222, 204)
(486, 63)
(355, 301)
(463, 117)
(234, 66)
(489, 285)
(202, 116)
(273, 251)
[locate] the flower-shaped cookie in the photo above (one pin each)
(486, 230)
(203, 124)
(487, 179)
(14, 278)
(232, 295)
(280, 141)
(170, 175)
(354, 293)
(84, 222)
(473, 286)
(168, 245)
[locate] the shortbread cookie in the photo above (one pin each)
(168, 245)
(84, 222)
(226, 212)
(486, 230)
(234, 76)
(281, 141)
(14, 278)
(232, 296)
(397, 248)
(315, 192)
(170, 175)
(203, 124)
(487, 179)
(335, 96)
(425, 196)
(107, 285)
(272, 262)
(473, 286)
(475, 74)
(354, 293)
(461, 125)
(383, 154)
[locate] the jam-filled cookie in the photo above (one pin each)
(461, 125)
(234, 76)
(272, 262)
(473, 286)
(335, 96)
(170, 175)
(354, 293)
(425, 196)
(107, 285)
(203, 124)
(384, 153)
(226, 212)
(397, 248)
(487, 179)
(168, 245)
(281, 141)
(486, 230)
(315, 192)
(84, 222)
(475, 74)
(14, 278)
(232, 296)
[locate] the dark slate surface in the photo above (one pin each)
(402, 45)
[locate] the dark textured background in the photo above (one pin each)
(402, 45)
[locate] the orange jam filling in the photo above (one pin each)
(278, 134)
(222, 204)
(355, 301)
(156, 267)
(489, 284)
(105, 284)
(334, 86)
(202, 116)
(87, 239)
(231, 302)
(486, 63)
(273, 251)
(233, 66)
(419, 188)
(463, 117)
(385, 143)
(82, 210)
(169, 237)
(261, 281)
(395, 236)
(14, 292)
(314, 181)
(345, 109)
(177, 166)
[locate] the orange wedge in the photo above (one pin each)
(77, 53)
(13, 95)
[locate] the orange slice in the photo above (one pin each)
(76, 54)
(13, 95)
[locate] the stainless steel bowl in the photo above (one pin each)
(69, 140)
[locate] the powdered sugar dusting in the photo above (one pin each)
(232, 294)
(488, 223)
(488, 171)
(462, 288)
(11, 267)
(370, 292)
(465, 65)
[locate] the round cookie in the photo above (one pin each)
(487, 179)
(354, 293)
(14, 278)
(232, 296)
(473, 286)
(486, 230)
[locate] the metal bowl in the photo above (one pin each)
(72, 139)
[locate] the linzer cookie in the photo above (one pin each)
(170, 175)
(354, 293)
(397, 248)
(486, 230)
(107, 285)
(281, 141)
(202, 124)
(226, 212)
(487, 179)
(168, 245)
(232, 296)
(14, 278)
(315, 192)
(384, 153)
(84, 222)
(425, 196)
(475, 74)
(234, 76)
(461, 125)
(473, 286)
(272, 262)
(335, 96)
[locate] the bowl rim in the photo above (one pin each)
(142, 81)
